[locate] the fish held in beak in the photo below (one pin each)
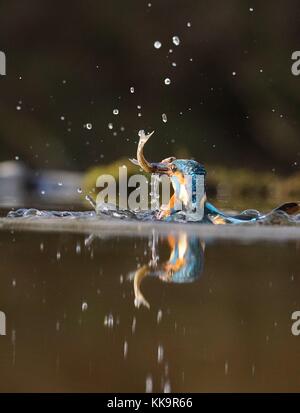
(150, 167)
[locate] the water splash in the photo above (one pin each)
(36, 213)
(105, 211)
(155, 180)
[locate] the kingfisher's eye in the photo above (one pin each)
(173, 168)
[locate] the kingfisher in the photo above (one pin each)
(185, 265)
(188, 180)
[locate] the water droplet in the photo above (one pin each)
(167, 387)
(17, 158)
(14, 283)
(132, 89)
(18, 107)
(251, 9)
(167, 81)
(133, 326)
(84, 306)
(157, 44)
(43, 192)
(233, 73)
(109, 321)
(58, 255)
(174, 64)
(226, 368)
(62, 118)
(160, 354)
(125, 349)
(79, 190)
(78, 248)
(149, 384)
(159, 316)
(116, 111)
(89, 126)
(176, 40)
(164, 118)
(189, 24)
(110, 126)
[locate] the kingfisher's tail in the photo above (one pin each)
(289, 208)
(218, 217)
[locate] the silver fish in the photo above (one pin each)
(150, 167)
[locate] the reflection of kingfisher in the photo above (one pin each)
(185, 175)
(185, 265)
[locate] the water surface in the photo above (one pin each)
(72, 322)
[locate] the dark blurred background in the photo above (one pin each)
(232, 103)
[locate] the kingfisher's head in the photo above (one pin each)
(187, 176)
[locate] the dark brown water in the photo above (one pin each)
(72, 324)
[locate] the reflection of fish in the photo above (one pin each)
(179, 171)
(185, 265)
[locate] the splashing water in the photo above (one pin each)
(155, 179)
(36, 213)
(106, 211)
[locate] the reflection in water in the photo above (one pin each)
(72, 325)
(184, 265)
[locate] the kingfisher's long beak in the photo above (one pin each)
(151, 167)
